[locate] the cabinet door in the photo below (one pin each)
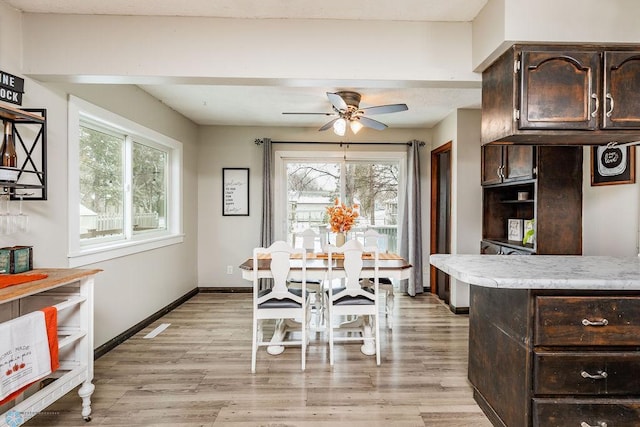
(491, 164)
(559, 90)
(621, 95)
(518, 162)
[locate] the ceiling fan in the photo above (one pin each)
(346, 105)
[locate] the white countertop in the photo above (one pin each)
(542, 271)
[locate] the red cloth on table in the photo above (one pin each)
(16, 279)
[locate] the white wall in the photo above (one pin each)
(504, 22)
(130, 288)
(209, 50)
(225, 241)
(610, 215)
(462, 128)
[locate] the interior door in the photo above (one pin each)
(441, 216)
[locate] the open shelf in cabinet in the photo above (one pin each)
(500, 203)
(553, 201)
(30, 137)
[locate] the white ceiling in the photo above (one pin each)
(263, 105)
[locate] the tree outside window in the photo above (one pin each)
(103, 200)
(312, 186)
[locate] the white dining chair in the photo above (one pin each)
(279, 303)
(373, 238)
(350, 298)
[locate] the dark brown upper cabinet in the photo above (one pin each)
(509, 163)
(551, 177)
(568, 95)
(559, 90)
(621, 90)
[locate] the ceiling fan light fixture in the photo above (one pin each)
(340, 127)
(355, 126)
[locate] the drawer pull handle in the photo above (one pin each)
(587, 322)
(599, 376)
(600, 424)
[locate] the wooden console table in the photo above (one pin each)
(71, 292)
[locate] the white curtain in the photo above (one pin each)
(410, 227)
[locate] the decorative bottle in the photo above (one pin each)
(8, 150)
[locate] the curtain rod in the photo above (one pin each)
(259, 141)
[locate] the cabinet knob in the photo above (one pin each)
(610, 98)
(601, 375)
(596, 104)
(602, 322)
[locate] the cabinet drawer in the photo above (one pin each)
(591, 412)
(586, 373)
(587, 321)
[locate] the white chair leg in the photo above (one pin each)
(377, 338)
(389, 301)
(260, 332)
(308, 323)
(330, 326)
(254, 346)
(303, 346)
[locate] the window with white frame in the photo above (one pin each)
(124, 184)
(308, 182)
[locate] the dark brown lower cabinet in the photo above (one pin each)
(586, 412)
(555, 357)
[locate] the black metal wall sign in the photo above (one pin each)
(11, 88)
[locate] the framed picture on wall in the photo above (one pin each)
(613, 165)
(235, 191)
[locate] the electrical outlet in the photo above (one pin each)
(229, 269)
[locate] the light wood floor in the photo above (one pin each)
(197, 373)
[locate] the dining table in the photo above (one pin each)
(390, 265)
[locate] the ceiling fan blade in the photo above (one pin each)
(328, 125)
(324, 114)
(370, 123)
(337, 101)
(384, 109)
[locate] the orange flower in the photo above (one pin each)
(342, 217)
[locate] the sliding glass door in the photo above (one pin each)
(307, 184)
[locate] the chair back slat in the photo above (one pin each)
(352, 266)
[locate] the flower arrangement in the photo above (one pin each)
(342, 217)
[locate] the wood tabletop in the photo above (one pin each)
(56, 277)
(315, 262)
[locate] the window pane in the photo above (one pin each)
(311, 187)
(374, 186)
(149, 188)
(101, 189)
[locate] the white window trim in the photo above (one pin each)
(280, 181)
(80, 255)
